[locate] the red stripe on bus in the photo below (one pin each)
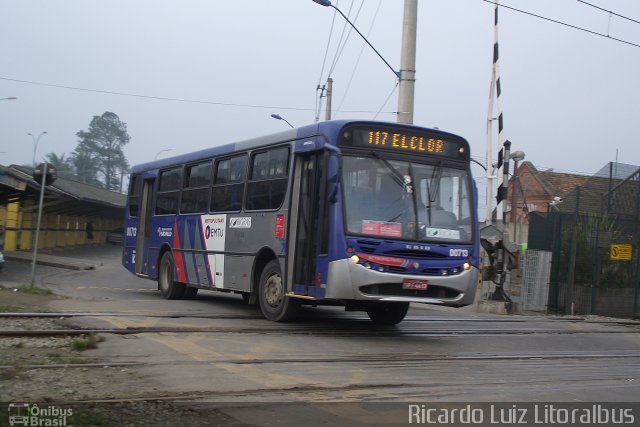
(177, 256)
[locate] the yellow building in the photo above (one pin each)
(73, 213)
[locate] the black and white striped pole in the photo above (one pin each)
(499, 173)
(503, 178)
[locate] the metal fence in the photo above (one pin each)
(536, 267)
(594, 236)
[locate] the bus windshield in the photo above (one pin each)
(394, 199)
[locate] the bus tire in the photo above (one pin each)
(274, 303)
(387, 313)
(169, 288)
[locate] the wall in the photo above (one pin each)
(18, 223)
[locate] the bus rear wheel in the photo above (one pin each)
(274, 302)
(169, 289)
(387, 313)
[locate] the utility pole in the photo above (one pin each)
(408, 62)
(407, 73)
(329, 98)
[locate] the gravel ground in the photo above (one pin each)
(66, 380)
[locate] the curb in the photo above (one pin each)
(50, 260)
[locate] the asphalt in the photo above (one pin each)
(50, 260)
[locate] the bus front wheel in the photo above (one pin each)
(274, 303)
(387, 313)
(169, 288)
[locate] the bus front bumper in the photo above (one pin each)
(349, 281)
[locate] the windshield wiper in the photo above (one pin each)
(433, 185)
(397, 176)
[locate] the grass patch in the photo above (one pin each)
(23, 309)
(33, 290)
(64, 359)
(87, 342)
(11, 309)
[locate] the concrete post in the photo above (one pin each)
(406, 90)
(329, 98)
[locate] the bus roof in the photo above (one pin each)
(330, 129)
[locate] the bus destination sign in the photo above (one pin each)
(401, 141)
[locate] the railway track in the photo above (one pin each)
(332, 326)
(346, 332)
(365, 358)
(325, 318)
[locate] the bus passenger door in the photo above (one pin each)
(308, 245)
(144, 227)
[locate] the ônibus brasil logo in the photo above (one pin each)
(25, 414)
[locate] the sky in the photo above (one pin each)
(209, 72)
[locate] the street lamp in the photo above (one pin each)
(161, 151)
(327, 3)
(49, 175)
(35, 145)
(279, 117)
(406, 75)
(516, 156)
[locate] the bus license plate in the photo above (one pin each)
(415, 285)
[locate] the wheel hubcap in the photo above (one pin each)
(273, 290)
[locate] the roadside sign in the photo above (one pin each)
(621, 252)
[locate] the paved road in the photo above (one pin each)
(217, 349)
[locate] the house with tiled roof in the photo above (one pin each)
(531, 190)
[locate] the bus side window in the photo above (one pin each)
(169, 191)
(267, 186)
(195, 194)
(228, 187)
(134, 195)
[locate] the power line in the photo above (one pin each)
(341, 43)
(562, 23)
(320, 87)
(355, 67)
(386, 100)
(326, 51)
(162, 98)
(608, 11)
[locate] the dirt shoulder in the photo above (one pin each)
(54, 371)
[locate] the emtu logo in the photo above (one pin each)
(210, 233)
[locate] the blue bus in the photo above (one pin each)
(364, 214)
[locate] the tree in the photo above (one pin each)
(64, 167)
(85, 166)
(99, 151)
